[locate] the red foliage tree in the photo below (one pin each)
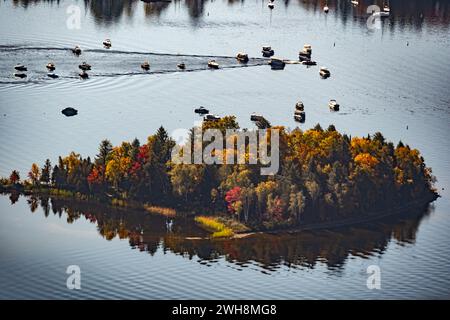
(134, 170)
(276, 209)
(144, 154)
(142, 157)
(232, 197)
(96, 176)
(14, 177)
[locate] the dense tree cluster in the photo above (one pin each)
(323, 176)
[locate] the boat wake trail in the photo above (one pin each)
(104, 62)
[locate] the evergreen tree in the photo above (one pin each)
(104, 150)
(46, 172)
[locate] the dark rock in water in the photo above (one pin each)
(69, 112)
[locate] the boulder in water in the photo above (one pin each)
(69, 112)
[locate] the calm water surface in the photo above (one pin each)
(395, 80)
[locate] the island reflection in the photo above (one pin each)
(150, 233)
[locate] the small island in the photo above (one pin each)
(324, 178)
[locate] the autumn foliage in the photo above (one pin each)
(324, 176)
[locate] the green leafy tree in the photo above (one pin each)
(297, 203)
(185, 178)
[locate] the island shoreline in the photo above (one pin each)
(367, 217)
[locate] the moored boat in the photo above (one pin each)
(277, 64)
(51, 66)
(85, 66)
(20, 75)
(107, 43)
(324, 72)
(213, 64)
(299, 113)
(307, 48)
(256, 117)
(300, 116)
(305, 53)
(242, 57)
(20, 67)
(76, 50)
(201, 110)
(267, 51)
(333, 105)
(145, 65)
(83, 75)
(303, 56)
(260, 121)
(211, 117)
(299, 106)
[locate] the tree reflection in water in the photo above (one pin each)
(150, 233)
(404, 13)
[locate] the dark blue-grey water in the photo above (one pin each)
(395, 80)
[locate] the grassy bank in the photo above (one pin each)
(168, 212)
(212, 224)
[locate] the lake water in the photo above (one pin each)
(395, 80)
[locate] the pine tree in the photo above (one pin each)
(104, 150)
(46, 172)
